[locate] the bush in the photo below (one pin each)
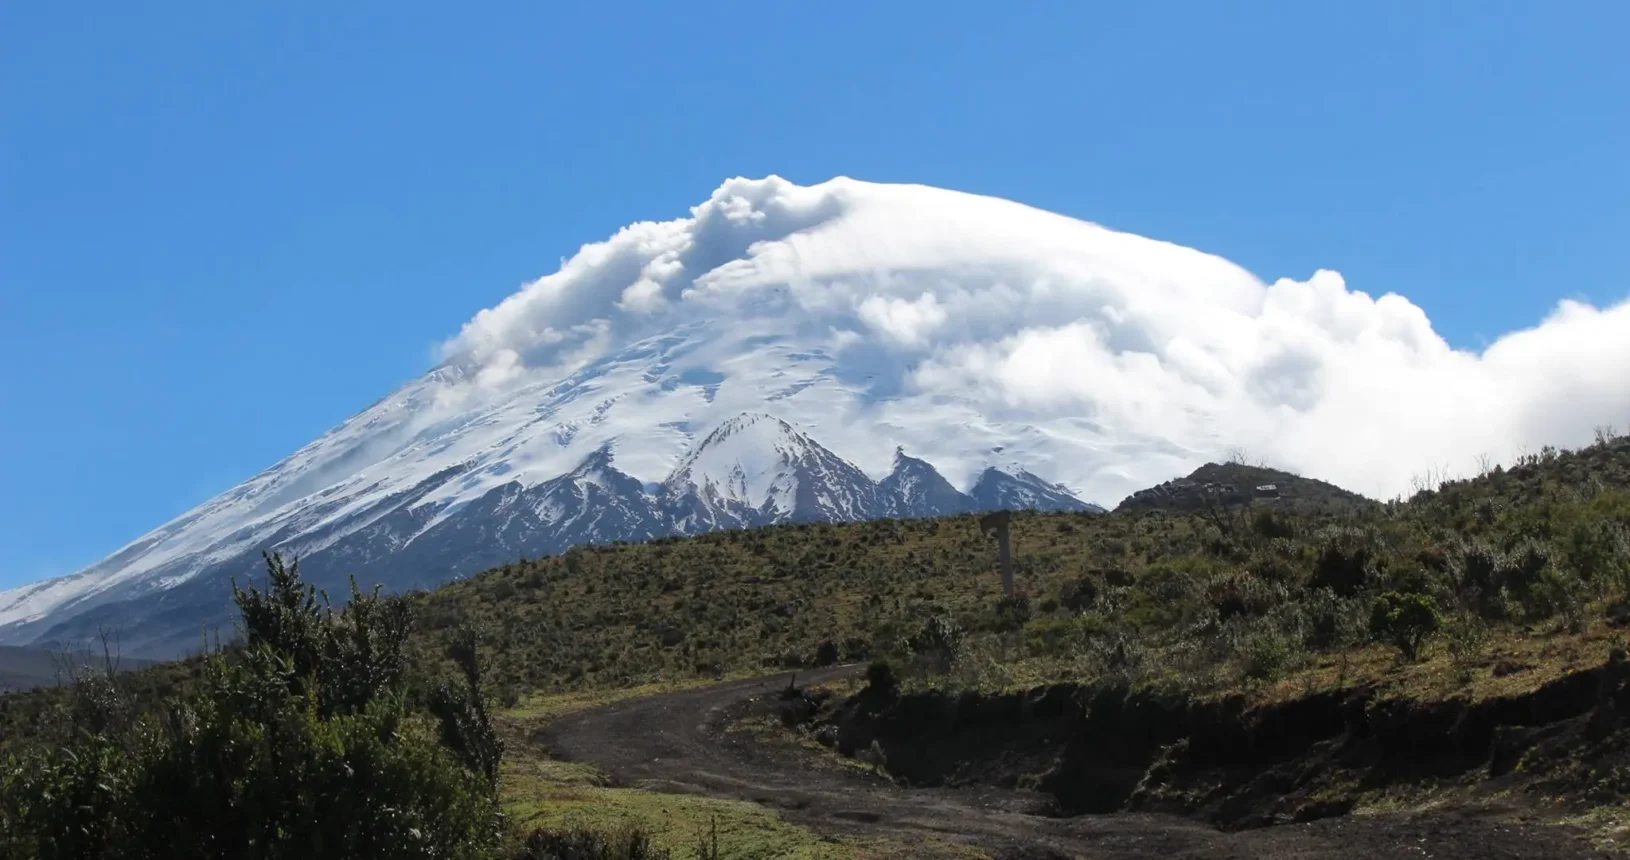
(1121, 658)
(1267, 657)
(1271, 525)
(1243, 595)
(1521, 582)
(1332, 621)
(1081, 593)
(1467, 636)
(347, 658)
(461, 710)
(938, 643)
(1480, 571)
(880, 677)
(584, 844)
(1347, 561)
(1557, 593)
(1406, 620)
(1526, 566)
(1011, 613)
(299, 744)
(1278, 563)
(355, 785)
(1051, 636)
(1599, 552)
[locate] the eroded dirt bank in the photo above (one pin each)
(1234, 765)
(984, 789)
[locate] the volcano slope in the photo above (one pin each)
(1254, 629)
(682, 742)
(1525, 571)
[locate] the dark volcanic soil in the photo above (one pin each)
(677, 742)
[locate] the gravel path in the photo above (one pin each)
(677, 742)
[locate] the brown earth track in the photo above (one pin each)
(678, 743)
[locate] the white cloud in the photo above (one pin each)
(906, 322)
(1123, 355)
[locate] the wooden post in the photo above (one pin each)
(995, 525)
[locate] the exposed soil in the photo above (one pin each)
(681, 742)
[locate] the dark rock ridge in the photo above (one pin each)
(755, 470)
(1227, 484)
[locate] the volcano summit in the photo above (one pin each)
(845, 351)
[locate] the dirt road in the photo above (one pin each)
(678, 742)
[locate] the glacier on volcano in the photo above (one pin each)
(790, 352)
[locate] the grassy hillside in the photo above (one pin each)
(1480, 590)
(1209, 598)
(1237, 594)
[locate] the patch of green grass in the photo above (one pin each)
(768, 730)
(538, 791)
(548, 794)
(1608, 826)
(552, 705)
(673, 821)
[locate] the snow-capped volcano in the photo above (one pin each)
(914, 488)
(756, 469)
(753, 469)
(842, 351)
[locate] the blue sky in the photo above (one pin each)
(224, 229)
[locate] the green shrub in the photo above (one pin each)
(1526, 565)
(938, 642)
(880, 677)
(1279, 563)
(1244, 595)
(1467, 637)
(1480, 571)
(1406, 620)
(1269, 524)
(1598, 551)
(1267, 657)
(1163, 597)
(1011, 613)
(298, 744)
(461, 710)
(1332, 621)
(1049, 637)
(1557, 593)
(348, 657)
(1081, 593)
(253, 768)
(584, 844)
(1348, 558)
